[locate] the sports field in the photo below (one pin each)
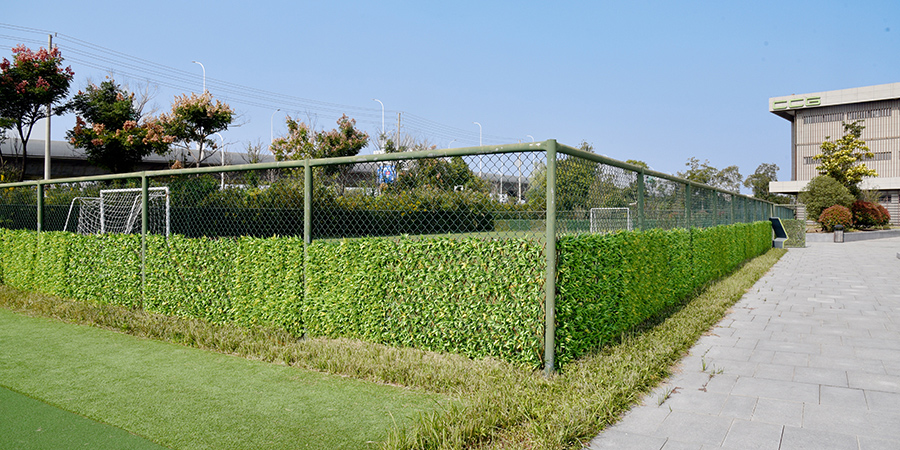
(178, 397)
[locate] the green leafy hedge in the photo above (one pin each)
(609, 283)
(468, 296)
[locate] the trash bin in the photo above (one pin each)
(838, 233)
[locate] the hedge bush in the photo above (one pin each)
(868, 215)
(836, 215)
(469, 296)
(610, 283)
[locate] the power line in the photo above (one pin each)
(119, 63)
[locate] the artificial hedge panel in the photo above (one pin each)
(468, 296)
(248, 281)
(796, 231)
(609, 283)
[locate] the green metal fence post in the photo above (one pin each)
(687, 206)
(307, 227)
(550, 275)
(715, 208)
(734, 200)
(640, 200)
(307, 203)
(40, 206)
(145, 226)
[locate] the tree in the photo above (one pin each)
(728, 178)
(28, 84)
(302, 142)
(580, 185)
(823, 192)
(839, 159)
(110, 129)
(194, 119)
(759, 183)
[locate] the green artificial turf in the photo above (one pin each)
(185, 398)
(31, 424)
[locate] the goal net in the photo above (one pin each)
(119, 211)
(604, 220)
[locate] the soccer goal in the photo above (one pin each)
(119, 211)
(604, 220)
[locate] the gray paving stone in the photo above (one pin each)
(883, 401)
(739, 407)
(791, 359)
(819, 375)
(857, 422)
(803, 439)
(615, 440)
(689, 427)
(843, 397)
(721, 383)
(676, 445)
(753, 435)
(851, 363)
(774, 372)
(693, 400)
(870, 443)
(778, 412)
(872, 381)
(777, 389)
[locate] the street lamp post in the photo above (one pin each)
(204, 74)
(272, 128)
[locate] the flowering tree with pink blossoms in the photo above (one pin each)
(28, 83)
(194, 119)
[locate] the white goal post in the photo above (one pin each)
(610, 219)
(119, 211)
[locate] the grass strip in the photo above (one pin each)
(184, 398)
(500, 405)
(30, 424)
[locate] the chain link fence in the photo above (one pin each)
(536, 191)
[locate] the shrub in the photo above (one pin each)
(836, 215)
(868, 215)
(823, 192)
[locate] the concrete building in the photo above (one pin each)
(819, 116)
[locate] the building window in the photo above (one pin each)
(810, 160)
(867, 114)
(822, 118)
(880, 156)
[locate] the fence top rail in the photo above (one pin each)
(571, 151)
(296, 164)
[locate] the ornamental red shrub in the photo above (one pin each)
(836, 215)
(867, 214)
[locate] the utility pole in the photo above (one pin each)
(397, 145)
(49, 111)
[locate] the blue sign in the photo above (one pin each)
(386, 174)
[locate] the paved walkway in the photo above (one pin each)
(808, 359)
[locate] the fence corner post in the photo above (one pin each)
(40, 206)
(550, 275)
(145, 226)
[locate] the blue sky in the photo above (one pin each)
(654, 81)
